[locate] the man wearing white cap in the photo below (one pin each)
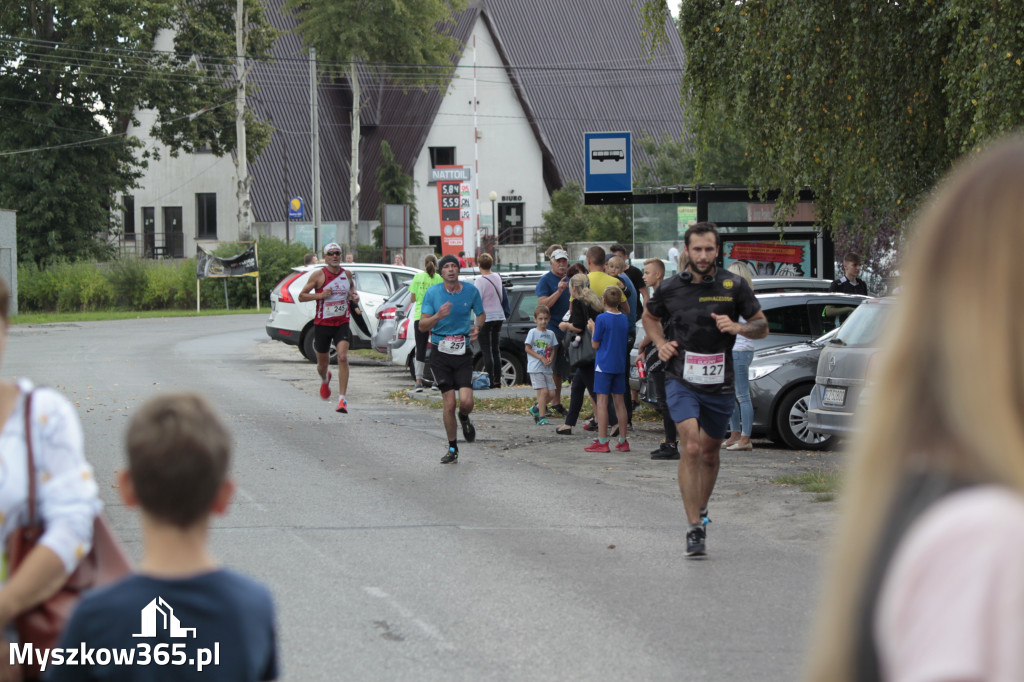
(553, 291)
(334, 292)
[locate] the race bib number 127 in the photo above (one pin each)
(704, 368)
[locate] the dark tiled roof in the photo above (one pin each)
(582, 68)
(575, 68)
(403, 117)
(282, 99)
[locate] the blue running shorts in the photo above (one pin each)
(611, 383)
(711, 410)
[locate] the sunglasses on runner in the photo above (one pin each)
(334, 253)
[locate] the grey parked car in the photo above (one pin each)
(781, 379)
(841, 384)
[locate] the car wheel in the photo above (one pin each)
(307, 347)
(791, 422)
(512, 372)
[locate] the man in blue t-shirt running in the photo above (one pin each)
(448, 314)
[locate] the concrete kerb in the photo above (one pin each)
(522, 391)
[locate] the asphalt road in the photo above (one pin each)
(385, 565)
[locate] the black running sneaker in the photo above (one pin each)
(665, 451)
(557, 409)
(694, 541)
(468, 430)
(451, 457)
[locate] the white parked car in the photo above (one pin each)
(292, 322)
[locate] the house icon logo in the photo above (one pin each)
(167, 619)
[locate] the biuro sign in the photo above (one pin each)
(455, 203)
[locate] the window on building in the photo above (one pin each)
(128, 217)
(442, 156)
(148, 219)
(206, 216)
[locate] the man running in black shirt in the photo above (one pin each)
(692, 318)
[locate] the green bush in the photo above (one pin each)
(128, 277)
(63, 287)
(151, 285)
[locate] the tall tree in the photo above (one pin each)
(72, 76)
(395, 187)
(350, 34)
(867, 103)
(569, 220)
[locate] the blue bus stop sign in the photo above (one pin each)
(608, 162)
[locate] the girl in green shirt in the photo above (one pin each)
(418, 287)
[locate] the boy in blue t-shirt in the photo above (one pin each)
(182, 616)
(541, 345)
(610, 333)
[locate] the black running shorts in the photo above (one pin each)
(451, 371)
(324, 335)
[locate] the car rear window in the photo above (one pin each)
(791, 319)
(372, 283)
(864, 325)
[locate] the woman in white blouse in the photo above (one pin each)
(67, 495)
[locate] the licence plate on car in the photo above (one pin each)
(834, 396)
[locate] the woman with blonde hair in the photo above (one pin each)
(492, 292)
(927, 580)
(585, 306)
(742, 419)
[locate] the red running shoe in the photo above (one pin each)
(597, 446)
(623, 446)
(325, 387)
(342, 406)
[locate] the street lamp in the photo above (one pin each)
(493, 196)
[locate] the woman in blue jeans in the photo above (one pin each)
(742, 355)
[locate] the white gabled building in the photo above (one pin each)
(533, 77)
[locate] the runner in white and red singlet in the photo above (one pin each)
(334, 292)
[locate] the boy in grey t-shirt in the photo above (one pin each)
(541, 345)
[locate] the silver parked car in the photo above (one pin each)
(841, 383)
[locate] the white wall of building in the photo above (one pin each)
(175, 182)
(508, 157)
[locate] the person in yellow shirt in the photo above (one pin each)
(599, 279)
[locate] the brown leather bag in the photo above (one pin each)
(106, 562)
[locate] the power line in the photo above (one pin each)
(638, 63)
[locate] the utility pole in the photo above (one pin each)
(241, 164)
(353, 184)
(314, 124)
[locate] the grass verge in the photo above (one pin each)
(369, 353)
(98, 315)
(822, 481)
(517, 405)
